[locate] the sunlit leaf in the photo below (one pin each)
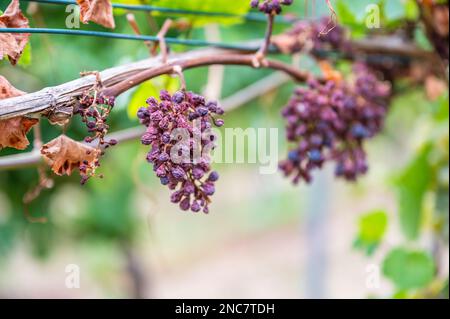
(25, 60)
(372, 227)
(409, 269)
(148, 89)
(412, 10)
(238, 7)
(412, 186)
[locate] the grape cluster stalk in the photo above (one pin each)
(179, 133)
(94, 110)
(329, 122)
(309, 36)
(270, 6)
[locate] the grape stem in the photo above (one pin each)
(260, 56)
(132, 22)
(333, 20)
(193, 62)
(162, 40)
(178, 70)
(98, 78)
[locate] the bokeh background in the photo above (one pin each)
(384, 236)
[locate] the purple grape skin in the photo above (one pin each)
(270, 6)
(190, 183)
(213, 176)
(330, 122)
(313, 31)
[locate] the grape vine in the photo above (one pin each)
(327, 120)
(180, 136)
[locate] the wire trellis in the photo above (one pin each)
(149, 8)
(187, 42)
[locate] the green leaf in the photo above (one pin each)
(372, 228)
(422, 40)
(25, 59)
(353, 15)
(412, 186)
(409, 269)
(412, 10)
(442, 108)
(123, 11)
(345, 15)
(238, 7)
(358, 8)
(444, 291)
(149, 89)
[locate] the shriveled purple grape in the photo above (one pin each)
(189, 180)
(330, 122)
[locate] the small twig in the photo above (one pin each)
(37, 144)
(132, 21)
(98, 79)
(44, 183)
(332, 22)
(162, 40)
(178, 70)
(260, 56)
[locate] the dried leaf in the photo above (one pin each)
(441, 20)
(7, 90)
(434, 87)
(98, 11)
(64, 155)
(329, 73)
(13, 131)
(11, 44)
(285, 43)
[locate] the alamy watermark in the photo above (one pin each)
(373, 276)
(234, 145)
(73, 276)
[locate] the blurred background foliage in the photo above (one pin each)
(109, 221)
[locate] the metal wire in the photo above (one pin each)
(197, 43)
(149, 8)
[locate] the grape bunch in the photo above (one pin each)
(270, 6)
(190, 179)
(329, 121)
(94, 111)
(311, 33)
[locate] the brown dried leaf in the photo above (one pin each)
(7, 90)
(98, 11)
(64, 155)
(11, 44)
(434, 87)
(13, 131)
(329, 73)
(285, 43)
(441, 20)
